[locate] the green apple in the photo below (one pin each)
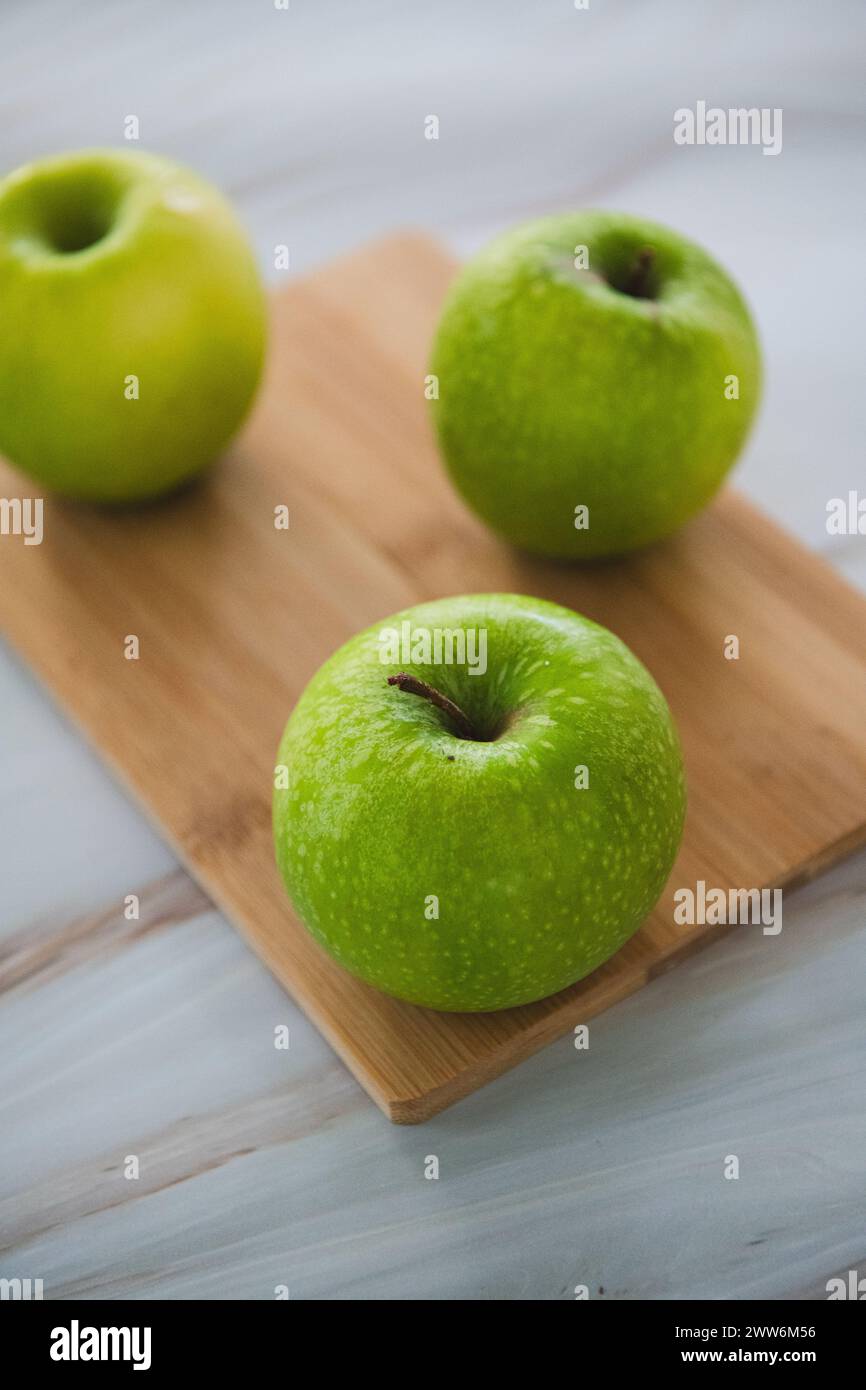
(597, 377)
(478, 801)
(134, 324)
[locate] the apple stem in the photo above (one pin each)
(413, 686)
(637, 281)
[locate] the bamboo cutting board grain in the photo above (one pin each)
(233, 616)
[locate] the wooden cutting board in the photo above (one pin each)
(234, 615)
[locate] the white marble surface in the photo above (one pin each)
(259, 1167)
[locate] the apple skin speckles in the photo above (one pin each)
(557, 389)
(535, 882)
(139, 324)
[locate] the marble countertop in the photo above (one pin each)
(259, 1169)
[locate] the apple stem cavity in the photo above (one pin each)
(637, 282)
(411, 685)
